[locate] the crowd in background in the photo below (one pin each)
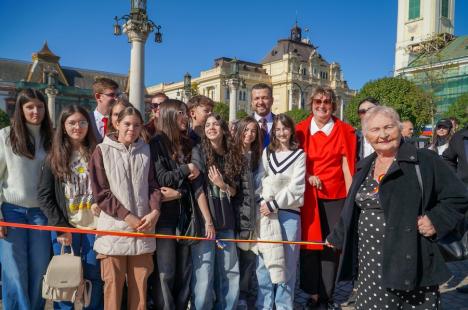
(377, 199)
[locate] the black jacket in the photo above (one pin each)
(169, 173)
(51, 196)
(456, 156)
(246, 202)
(409, 259)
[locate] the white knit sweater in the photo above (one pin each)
(19, 175)
(283, 184)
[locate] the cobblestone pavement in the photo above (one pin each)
(451, 299)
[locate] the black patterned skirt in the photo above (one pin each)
(370, 291)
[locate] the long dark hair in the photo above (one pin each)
(287, 122)
(233, 158)
(167, 127)
(257, 145)
(60, 156)
(21, 142)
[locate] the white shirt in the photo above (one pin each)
(368, 149)
(327, 129)
(269, 119)
(99, 123)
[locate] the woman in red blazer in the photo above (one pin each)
(330, 145)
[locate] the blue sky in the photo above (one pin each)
(358, 34)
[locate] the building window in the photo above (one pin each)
(414, 9)
(445, 8)
(227, 94)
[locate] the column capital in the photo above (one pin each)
(137, 30)
(234, 83)
(51, 91)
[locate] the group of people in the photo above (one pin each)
(265, 178)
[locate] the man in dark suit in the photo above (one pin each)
(364, 148)
(105, 92)
(261, 102)
(456, 155)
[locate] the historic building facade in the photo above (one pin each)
(62, 85)
(428, 53)
(293, 67)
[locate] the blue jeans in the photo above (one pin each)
(83, 246)
(215, 270)
(283, 298)
(25, 255)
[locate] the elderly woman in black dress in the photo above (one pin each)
(402, 200)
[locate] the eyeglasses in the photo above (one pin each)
(442, 127)
(81, 124)
(363, 111)
(319, 101)
(111, 95)
(182, 113)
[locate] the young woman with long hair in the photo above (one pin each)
(282, 198)
(220, 162)
(66, 198)
(441, 136)
(247, 135)
(124, 186)
(115, 109)
(171, 149)
(24, 253)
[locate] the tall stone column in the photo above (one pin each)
(137, 36)
(51, 93)
(233, 87)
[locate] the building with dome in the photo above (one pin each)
(294, 67)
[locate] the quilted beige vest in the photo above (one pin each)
(127, 172)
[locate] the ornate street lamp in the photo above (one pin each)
(137, 26)
(188, 85)
(233, 81)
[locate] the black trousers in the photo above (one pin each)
(318, 268)
(170, 287)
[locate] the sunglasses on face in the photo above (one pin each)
(111, 95)
(154, 106)
(363, 111)
(319, 101)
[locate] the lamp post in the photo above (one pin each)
(187, 86)
(137, 26)
(51, 92)
(302, 93)
(233, 81)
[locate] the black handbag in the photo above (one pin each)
(453, 247)
(190, 222)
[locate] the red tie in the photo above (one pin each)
(263, 125)
(105, 120)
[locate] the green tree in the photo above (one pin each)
(241, 114)
(4, 119)
(298, 114)
(222, 109)
(408, 99)
(194, 89)
(459, 109)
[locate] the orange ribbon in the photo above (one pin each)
(147, 235)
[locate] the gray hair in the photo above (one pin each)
(381, 110)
